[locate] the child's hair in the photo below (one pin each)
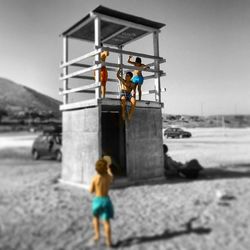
(130, 74)
(165, 148)
(101, 167)
(138, 60)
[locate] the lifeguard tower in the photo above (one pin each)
(93, 127)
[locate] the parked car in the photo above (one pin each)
(176, 133)
(47, 145)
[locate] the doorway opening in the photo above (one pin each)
(113, 139)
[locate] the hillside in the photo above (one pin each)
(15, 98)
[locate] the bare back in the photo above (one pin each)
(138, 72)
(100, 185)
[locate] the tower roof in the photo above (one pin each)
(117, 28)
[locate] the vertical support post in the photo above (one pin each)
(157, 67)
(97, 27)
(120, 62)
(65, 69)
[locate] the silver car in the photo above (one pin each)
(47, 145)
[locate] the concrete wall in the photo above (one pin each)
(82, 144)
(81, 141)
(144, 144)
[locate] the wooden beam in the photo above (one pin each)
(108, 101)
(77, 27)
(88, 65)
(92, 92)
(152, 91)
(80, 58)
(97, 28)
(159, 61)
(81, 104)
(126, 52)
(131, 67)
(98, 66)
(80, 89)
(137, 38)
(82, 65)
(153, 76)
(139, 104)
(92, 78)
(65, 69)
(120, 62)
(126, 23)
(157, 67)
(114, 34)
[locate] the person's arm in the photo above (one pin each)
(110, 171)
(173, 164)
(92, 186)
(145, 66)
(129, 60)
(118, 75)
(111, 176)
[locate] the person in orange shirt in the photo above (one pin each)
(103, 72)
(102, 207)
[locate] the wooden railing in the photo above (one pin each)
(90, 88)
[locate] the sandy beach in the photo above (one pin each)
(212, 212)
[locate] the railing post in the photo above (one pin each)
(120, 62)
(97, 57)
(157, 67)
(65, 69)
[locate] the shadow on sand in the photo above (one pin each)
(207, 174)
(217, 173)
(225, 172)
(164, 236)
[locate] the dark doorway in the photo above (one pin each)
(113, 141)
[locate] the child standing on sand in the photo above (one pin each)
(137, 78)
(102, 207)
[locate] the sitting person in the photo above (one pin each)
(173, 168)
(126, 88)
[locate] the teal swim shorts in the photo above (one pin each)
(137, 80)
(102, 207)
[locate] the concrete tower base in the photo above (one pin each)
(95, 128)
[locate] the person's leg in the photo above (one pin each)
(132, 109)
(103, 90)
(139, 91)
(134, 94)
(107, 230)
(96, 226)
(123, 103)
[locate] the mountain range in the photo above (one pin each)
(16, 97)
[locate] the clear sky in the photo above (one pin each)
(206, 44)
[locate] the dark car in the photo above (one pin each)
(176, 133)
(47, 145)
